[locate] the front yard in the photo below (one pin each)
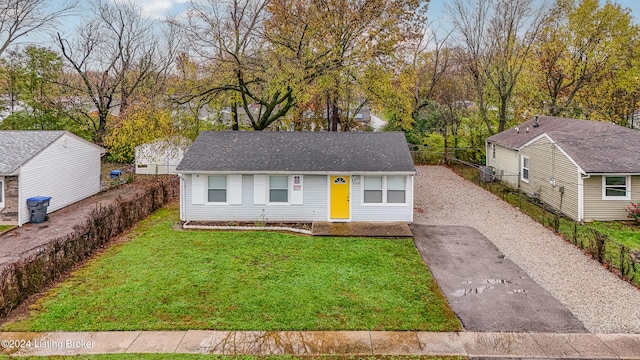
(164, 279)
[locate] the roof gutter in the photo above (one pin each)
(268, 172)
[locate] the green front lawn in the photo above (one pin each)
(625, 233)
(4, 228)
(173, 280)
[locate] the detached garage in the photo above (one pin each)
(58, 164)
(297, 176)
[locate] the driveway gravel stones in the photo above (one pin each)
(599, 299)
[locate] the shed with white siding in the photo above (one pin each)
(262, 176)
(58, 164)
(587, 170)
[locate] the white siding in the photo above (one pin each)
(381, 212)
(507, 164)
(314, 208)
(68, 170)
(159, 157)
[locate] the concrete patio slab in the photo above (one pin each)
(157, 341)
(207, 342)
(624, 345)
(501, 344)
(361, 229)
(443, 344)
(394, 343)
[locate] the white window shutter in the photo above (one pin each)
(234, 189)
(296, 189)
(259, 189)
(198, 188)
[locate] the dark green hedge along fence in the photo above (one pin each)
(33, 274)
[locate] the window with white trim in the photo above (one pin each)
(373, 189)
(385, 190)
(524, 171)
(616, 187)
(217, 189)
(279, 188)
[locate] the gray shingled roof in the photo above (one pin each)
(596, 147)
(265, 151)
(17, 147)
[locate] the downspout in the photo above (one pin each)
(581, 195)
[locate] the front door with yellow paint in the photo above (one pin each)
(339, 204)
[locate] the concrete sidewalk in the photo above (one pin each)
(471, 344)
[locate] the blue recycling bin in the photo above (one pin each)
(115, 174)
(38, 208)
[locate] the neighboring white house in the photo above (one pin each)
(587, 170)
(45, 163)
(297, 176)
(161, 156)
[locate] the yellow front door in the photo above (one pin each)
(339, 197)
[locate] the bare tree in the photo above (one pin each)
(496, 36)
(114, 54)
(18, 18)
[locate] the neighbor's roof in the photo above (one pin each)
(265, 151)
(596, 147)
(19, 146)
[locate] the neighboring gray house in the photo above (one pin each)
(45, 163)
(588, 170)
(297, 176)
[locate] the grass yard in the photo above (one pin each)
(627, 233)
(4, 228)
(174, 280)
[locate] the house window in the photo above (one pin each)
(373, 189)
(279, 189)
(616, 188)
(217, 189)
(396, 189)
(385, 190)
(524, 173)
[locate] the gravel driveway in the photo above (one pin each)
(603, 302)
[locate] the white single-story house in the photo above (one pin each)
(161, 156)
(587, 170)
(297, 176)
(58, 164)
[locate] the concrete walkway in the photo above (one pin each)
(299, 343)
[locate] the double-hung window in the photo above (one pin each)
(524, 171)
(217, 189)
(616, 188)
(385, 190)
(278, 189)
(373, 189)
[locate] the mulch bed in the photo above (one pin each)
(293, 225)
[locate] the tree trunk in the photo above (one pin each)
(234, 117)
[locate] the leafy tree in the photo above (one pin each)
(580, 43)
(142, 123)
(114, 54)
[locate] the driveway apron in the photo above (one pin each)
(487, 291)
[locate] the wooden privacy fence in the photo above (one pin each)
(34, 273)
